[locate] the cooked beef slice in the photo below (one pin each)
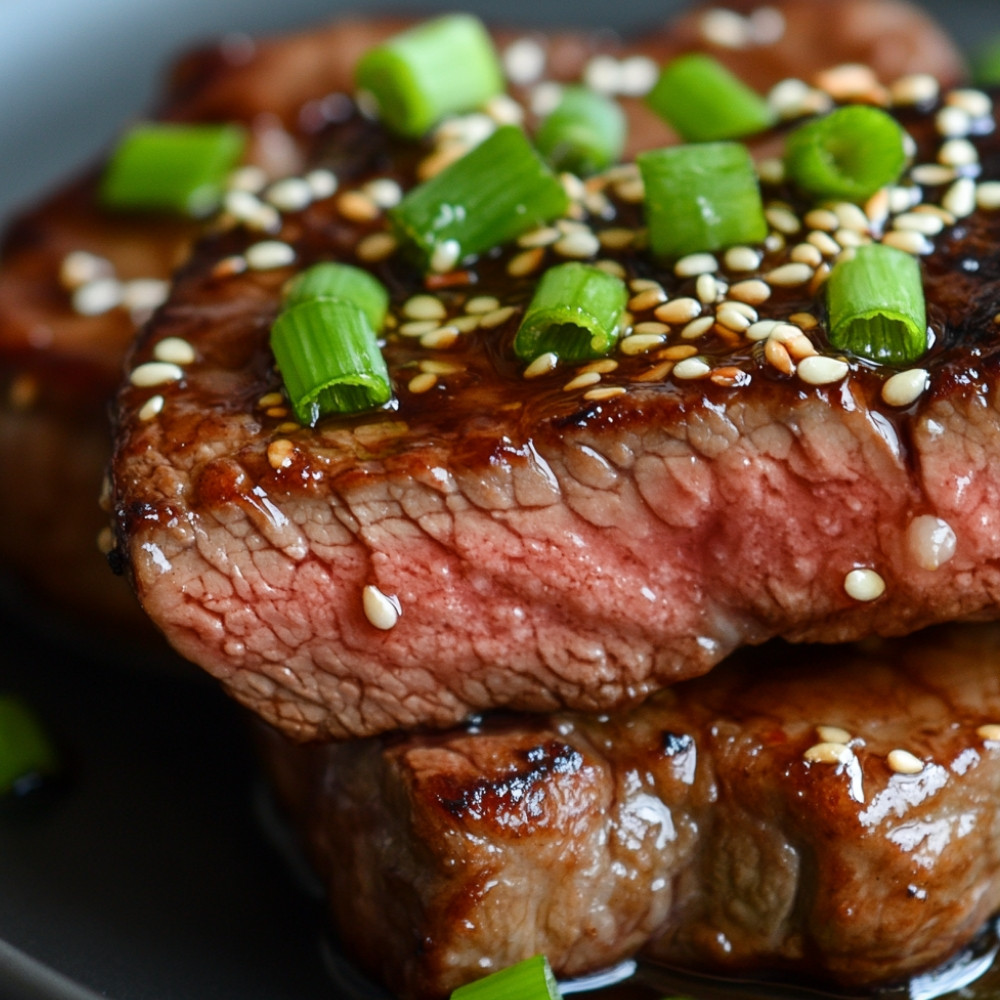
(694, 830)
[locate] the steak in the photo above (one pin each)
(818, 812)
(584, 537)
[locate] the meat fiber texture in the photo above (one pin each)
(705, 829)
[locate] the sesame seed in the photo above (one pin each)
(829, 753)
(988, 195)
(175, 350)
(848, 81)
(930, 174)
(523, 61)
(105, 540)
(877, 207)
(678, 352)
(914, 88)
(692, 368)
(229, 267)
(155, 373)
(381, 610)
(249, 210)
(743, 308)
(542, 236)
(850, 238)
(577, 244)
(740, 258)
(525, 262)
(545, 96)
(435, 162)
(973, 102)
(480, 304)
(582, 381)
(990, 732)
(790, 275)
(641, 342)
(502, 109)
(776, 355)
(725, 28)
(436, 366)
(909, 241)
(694, 264)
(864, 585)
(761, 330)
(270, 399)
(269, 255)
(143, 295)
(358, 206)
(678, 310)
(904, 762)
(782, 218)
(647, 299)
(960, 198)
(804, 320)
(791, 98)
(445, 256)
(604, 392)
(651, 326)
(422, 383)
(424, 307)
(953, 122)
(631, 190)
(79, 267)
(247, 178)
(958, 153)
(732, 319)
(418, 327)
(771, 170)
(697, 327)
(542, 365)
(440, 339)
(151, 408)
(276, 411)
(931, 540)
(611, 267)
(603, 74)
(637, 75)
(322, 183)
(919, 222)
(384, 191)
(767, 25)
(292, 194)
(616, 238)
(728, 376)
(279, 453)
(822, 218)
(97, 297)
(376, 247)
(824, 243)
(833, 734)
(850, 216)
(706, 288)
(819, 369)
(806, 253)
(497, 317)
(753, 291)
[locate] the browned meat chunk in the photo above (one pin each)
(838, 822)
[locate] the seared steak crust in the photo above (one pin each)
(694, 830)
(547, 544)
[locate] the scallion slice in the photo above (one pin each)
(329, 359)
(442, 67)
(531, 979)
(26, 752)
(575, 313)
(333, 280)
(172, 167)
(986, 63)
(701, 197)
(497, 191)
(849, 153)
(704, 102)
(584, 133)
(875, 301)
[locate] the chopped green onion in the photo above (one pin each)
(985, 61)
(497, 191)
(875, 301)
(329, 359)
(584, 133)
(704, 102)
(26, 753)
(333, 280)
(171, 167)
(701, 197)
(531, 979)
(442, 67)
(575, 313)
(849, 153)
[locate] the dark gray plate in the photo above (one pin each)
(147, 876)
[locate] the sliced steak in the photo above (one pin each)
(694, 830)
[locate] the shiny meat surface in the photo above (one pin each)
(694, 830)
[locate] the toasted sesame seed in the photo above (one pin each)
(418, 327)
(97, 297)
(822, 218)
(276, 411)
(776, 355)
(504, 110)
(725, 28)
(601, 365)
(919, 222)
(806, 253)
(743, 308)
(375, 247)
(771, 170)
(958, 153)
(292, 194)
(542, 365)
(905, 387)
(805, 320)
(877, 207)
(445, 256)
(269, 255)
(229, 267)
(432, 164)
(422, 383)
(824, 243)
(582, 381)
(678, 352)
(988, 195)
(247, 178)
(697, 327)
(642, 341)
(497, 317)
(989, 732)
(694, 264)
(545, 96)
(526, 262)
(732, 318)
(706, 288)
(79, 267)
(929, 174)
(480, 304)
(152, 407)
(384, 191)
(647, 299)
(175, 350)
(850, 216)
(270, 399)
(833, 734)
(960, 198)
(761, 330)
(279, 453)
(436, 366)
(381, 610)
(953, 122)
(424, 307)
(542, 236)
(678, 310)
(728, 376)
(604, 392)
(790, 275)
(637, 75)
(440, 339)
(931, 540)
(740, 258)
(782, 218)
(829, 753)
(577, 244)
(143, 295)
(914, 88)
(105, 540)
(603, 74)
(692, 368)
(358, 206)
(819, 278)
(973, 102)
(631, 190)
(819, 369)
(904, 762)
(155, 373)
(792, 98)
(524, 61)
(616, 238)
(909, 241)
(322, 183)
(864, 585)
(848, 81)
(850, 238)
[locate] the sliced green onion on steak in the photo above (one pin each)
(329, 358)
(704, 102)
(584, 133)
(876, 306)
(701, 197)
(531, 979)
(442, 67)
(849, 153)
(497, 191)
(333, 280)
(173, 168)
(575, 313)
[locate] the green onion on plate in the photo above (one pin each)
(333, 280)
(531, 979)
(584, 133)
